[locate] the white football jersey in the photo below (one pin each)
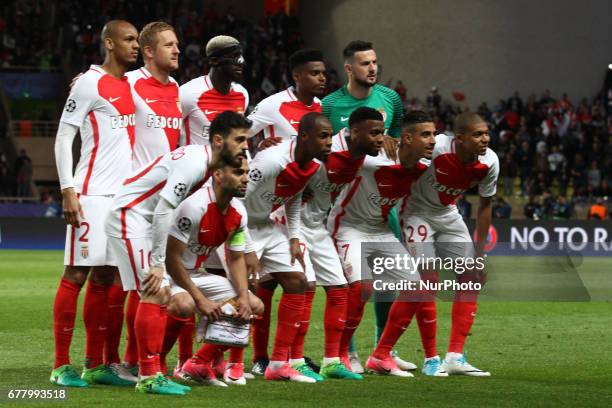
(172, 176)
(447, 178)
(379, 186)
(279, 115)
(332, 176)
(274, 180)
(200, 224)
(158, 116)
(201, 103)
(103, 109)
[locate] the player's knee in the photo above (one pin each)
(76, 274)
(103, 275)
(181, 305)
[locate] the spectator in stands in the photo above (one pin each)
(562, 209)
(508, 173)
(6, 178)
(532, 209)
(598, 211)
(464, 207)
(501, 208)
(524, 160)
(401, 91)
(578, 172)
(23, 172)
(594, 175)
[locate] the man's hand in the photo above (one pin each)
(153, 280)
(296, 252)
(208, 308)
(73, 213)
(390, 146)
(253, 268)
(244, 311)
(268, 142)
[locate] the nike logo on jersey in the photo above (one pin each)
(209, 112)
(343, 119)
(111, 99)
(203, 231)
(147, 100)
(294, 122)
(331, 171)
(384, 185)
(282, 185)
(441, 172)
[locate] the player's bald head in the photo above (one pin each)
(310, 122)
(466, 121)
(113, 28)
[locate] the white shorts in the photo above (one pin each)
(320, 257)
(444, 236)
(358, 261)
(134, 260)
(216, 260)
(87, 245)
(214, 287)
(271, 244)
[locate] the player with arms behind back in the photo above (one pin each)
(433, 226)
(101, 108)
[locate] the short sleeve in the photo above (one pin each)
(187, 170)
(83, 99)
(488, 186)
(260, 118)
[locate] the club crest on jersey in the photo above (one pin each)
(383, 113)
(70, 105)
(180, 189)
(85, 251)
(123, 121)
(184, 224)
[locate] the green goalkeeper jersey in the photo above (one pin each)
(339, 105)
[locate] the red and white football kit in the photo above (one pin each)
(201, 103)
(200, 224)
(103, 109)
(158, 116)
(430, 215)
(360, 215)
(173, 177)
(279, 115)
(275, 180)
(320, 255)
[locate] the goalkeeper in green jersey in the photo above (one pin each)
(362, 89)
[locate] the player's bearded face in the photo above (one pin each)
(235, 179)
(235, 145)
(166, 52)
(364, 68)
(232, 64)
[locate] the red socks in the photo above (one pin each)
(297, 348)
(335, 316)
(400, 315)
(149, 327)
(185, 340)
(116, 301)
(236, 355)
(354, 313)
(209, 352)
(174, 328)
(261, 327)
(463, 318)
(290, 311)
(95, 316)
(131, 348)
(426, 318)
(64, 315)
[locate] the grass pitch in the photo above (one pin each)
(540, 353)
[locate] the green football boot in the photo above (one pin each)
(104, 375)
(66, 376)
(338, 370)
(305, 370)
(159, 385)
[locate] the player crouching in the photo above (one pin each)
(203, 222)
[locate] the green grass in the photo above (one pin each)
(540, 353)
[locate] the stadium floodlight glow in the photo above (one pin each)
(610, 67)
